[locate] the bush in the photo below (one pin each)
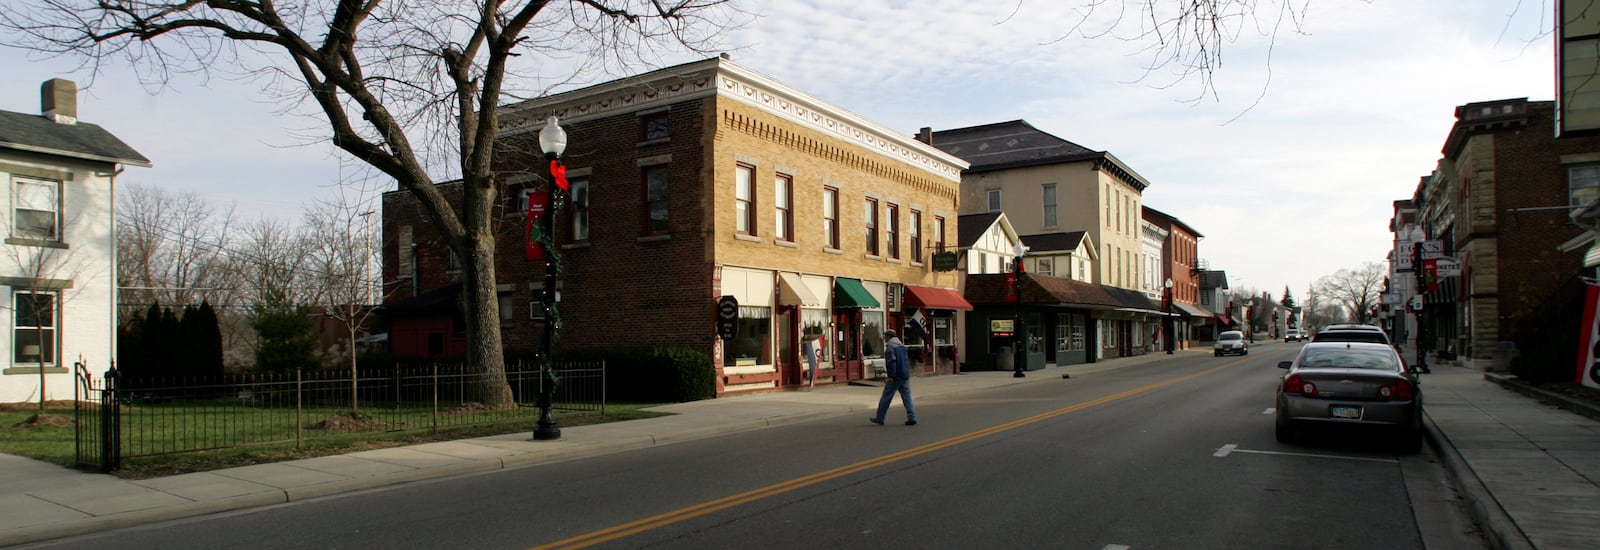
(653, 374)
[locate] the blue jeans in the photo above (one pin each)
(903, 387)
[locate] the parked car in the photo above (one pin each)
(1352, 333)
(1230, 342)
(1350, 383)
(1294, 335)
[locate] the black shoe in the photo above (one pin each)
(908, 422)
(875, 421)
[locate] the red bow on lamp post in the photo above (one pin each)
(558, 172)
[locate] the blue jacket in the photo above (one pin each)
(896, 364)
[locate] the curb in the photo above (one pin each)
(1486, 511)
(1513, 383)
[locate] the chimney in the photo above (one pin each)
(59, 100)
(925, 135)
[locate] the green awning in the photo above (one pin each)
(850, 293)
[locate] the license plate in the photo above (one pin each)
(1352, 413)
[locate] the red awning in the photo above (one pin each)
(935, 298)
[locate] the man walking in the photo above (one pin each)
(897, 365)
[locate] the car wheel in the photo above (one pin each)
(1284, 431)
(1245, 352)
(1216, 354)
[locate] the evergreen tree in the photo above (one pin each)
(205, 342)
(285, 340)
(1288, 298)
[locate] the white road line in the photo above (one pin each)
(1270, 410)
(1225, 450)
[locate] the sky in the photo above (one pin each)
(1288, 166)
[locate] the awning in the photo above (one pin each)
(850, 293)
(1193, 311)
(793, 292)
(935, 298)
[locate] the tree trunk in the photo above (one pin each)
(354, 406)
(481, 305)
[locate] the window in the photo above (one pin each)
(578, 207)
(893, 232)
(830, 217)
(915, 229)
(938, 232)
(1583, 184)
(994, 200)
(34, 326)
(655, 199)
(783, 209)
(872, 226)
(1049, 205)
(508, 310)
(814, 328)
(744, 212)
(653, 126)
(1108, 205)
(1046, 266)
(37, 203)
(754, 344)
(522, 199)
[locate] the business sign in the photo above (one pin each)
(1589, 338)
(728, 318)
(1448, 267)
(946, 261)
(1431, 250)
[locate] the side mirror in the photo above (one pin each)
(1285, 364)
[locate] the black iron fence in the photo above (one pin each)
(121, 417)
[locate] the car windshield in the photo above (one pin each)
(1231, 336)
(1348, 358)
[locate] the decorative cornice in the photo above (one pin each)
(723, 78)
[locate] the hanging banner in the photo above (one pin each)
(1430, 275)
(1011, 288)
(1589, 339)
(535, 229)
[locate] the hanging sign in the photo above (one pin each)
(535, 229)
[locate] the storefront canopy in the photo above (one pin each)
(793, 292)
(935, 298)
(850, 293)
(1192, 311)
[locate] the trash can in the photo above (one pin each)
(1005, 360)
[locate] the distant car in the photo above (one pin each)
(1294, 335)
(1229, 343)
(1352, 333)
(1350, 383)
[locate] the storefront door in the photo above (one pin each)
(790, 364)
(847, 343)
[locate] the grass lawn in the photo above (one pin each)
(236, 431)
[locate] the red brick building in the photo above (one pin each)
(1498, 204)
(700, 181)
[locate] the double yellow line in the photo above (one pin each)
(662, 520)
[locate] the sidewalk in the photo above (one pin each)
(1529, 470)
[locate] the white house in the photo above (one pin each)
(58, 262)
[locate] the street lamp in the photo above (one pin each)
(553, 141)
(1168, 323)
(1020, 363)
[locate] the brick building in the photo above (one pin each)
(1181, 264)
(1498, 205)
(706, 180)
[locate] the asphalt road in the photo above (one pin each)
(1177, 453)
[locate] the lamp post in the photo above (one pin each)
(1250, 319)
(1020, 363)
(1167, 322)
(553, 141)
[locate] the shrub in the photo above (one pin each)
(653, 374)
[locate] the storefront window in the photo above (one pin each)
(754, 344)
(872, 334)
(942, 330)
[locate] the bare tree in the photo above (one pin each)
(171, 248)
(395, 81)
(1357, 290)
(340, 268)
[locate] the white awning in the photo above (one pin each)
(794, 292)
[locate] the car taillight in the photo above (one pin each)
(1299, 386)
(1397, 390)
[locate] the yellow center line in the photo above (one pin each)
(661, 520)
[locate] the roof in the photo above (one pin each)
(438, 300)
(1213, 279)
(1132, 299)
(1169, 219)
(37, 134)
(1050, 242)
(1016, 144)
(1045, 290)
(971, 227)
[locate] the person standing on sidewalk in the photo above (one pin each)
(897, 365)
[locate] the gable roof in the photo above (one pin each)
(971, 227)
(1016, 144)
(1053, 242)
(1213, 279)
(37, 134)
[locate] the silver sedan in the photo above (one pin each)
(1350, 383)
